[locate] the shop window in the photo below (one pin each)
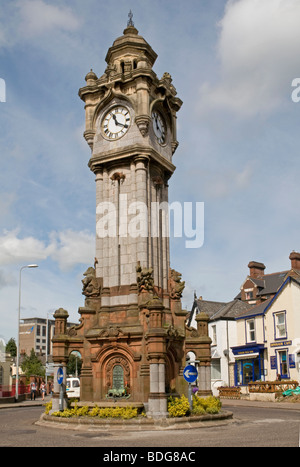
(283, 362)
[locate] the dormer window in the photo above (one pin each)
(248, 294)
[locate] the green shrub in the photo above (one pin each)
(202, 405)
(178, 407)
(198, 410)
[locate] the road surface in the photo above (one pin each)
(251, 426)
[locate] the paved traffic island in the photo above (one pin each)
(135, 424)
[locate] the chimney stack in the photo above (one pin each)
(256, 269)
(295, 260)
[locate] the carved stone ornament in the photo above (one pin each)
(175, 332)
(118, 176)
(142, 122)
(191, 332)
(176, 285)
(72, 331)
(111, 331)
(91, 288)
(145, 279)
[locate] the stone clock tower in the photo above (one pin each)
(131, 129)
(132, 334)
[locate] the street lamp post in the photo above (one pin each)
(18, 337)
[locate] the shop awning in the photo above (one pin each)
(246, 356)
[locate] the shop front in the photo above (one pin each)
(249, 364)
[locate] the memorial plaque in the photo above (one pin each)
(118, 377)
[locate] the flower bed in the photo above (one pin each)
(180, 407)
(124, 413)
(177, 407)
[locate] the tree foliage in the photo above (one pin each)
(11, 347)
(32, 365)
(73, 363)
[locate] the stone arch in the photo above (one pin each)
(110, 100)
(104, 363)
(171, 370)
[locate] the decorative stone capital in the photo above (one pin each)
(89, 137)
(142, 122)
(61, 317)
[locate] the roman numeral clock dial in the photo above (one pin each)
(116, 123)
(159, 127)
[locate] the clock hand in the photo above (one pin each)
(119, 123)
(158, 125)
(115, 119)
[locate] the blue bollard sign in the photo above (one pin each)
(190, 373)
(60, 375)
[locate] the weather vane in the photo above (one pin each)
(130, 22)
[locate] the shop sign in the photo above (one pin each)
(281, 344)
(273, 361)
(292, 363)
(246, 352)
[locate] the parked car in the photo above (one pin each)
(73, 388)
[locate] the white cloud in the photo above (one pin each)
(6, 279)
(220, 184)
(39, 17)
(25, 20)
(259, 57)
(71, 248)
(15, 250)
(67, 248)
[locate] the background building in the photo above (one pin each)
(33, 335)
(257, 335)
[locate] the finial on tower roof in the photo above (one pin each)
(130, 22)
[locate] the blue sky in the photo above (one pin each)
(232, 63)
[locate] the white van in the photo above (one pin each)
(73, 388)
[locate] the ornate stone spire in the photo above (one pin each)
(130, 22)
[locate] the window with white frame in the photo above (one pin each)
(248, 294)
(280, 325)
(250, 326)
(214, 335)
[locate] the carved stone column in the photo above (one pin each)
(156, 346)
(204, 355)
(60, 358)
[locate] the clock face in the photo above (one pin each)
(116, 122)
(159, 127)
